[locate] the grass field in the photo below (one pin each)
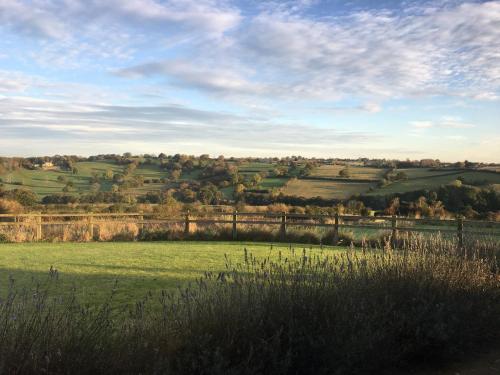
(357, 172)
(139, 267)
(326, 189)
(419, 179)
(44, 182)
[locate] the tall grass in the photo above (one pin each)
(361, 312)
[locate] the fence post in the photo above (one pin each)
(186, 225)
(336, 230)
(235, 233)
(141, 223)
(283, 227)
(394, 224)
(460, 233)
(90, 224)
(39, 226)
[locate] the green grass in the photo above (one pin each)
(357, 172)
(326, 189)
(44, 182)
(273, 182)
(420, 179)
(139, 267)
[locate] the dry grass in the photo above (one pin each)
(325, 189)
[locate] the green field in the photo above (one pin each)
(356, 172)
(139, 267)
(326, 189)
(420, 179)
(44, 182)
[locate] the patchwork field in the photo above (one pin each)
(137, 267)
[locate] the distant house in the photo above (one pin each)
(47, 165)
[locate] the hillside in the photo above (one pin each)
(213, 180)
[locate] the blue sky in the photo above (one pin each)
(388, 79)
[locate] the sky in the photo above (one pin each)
(331, 78)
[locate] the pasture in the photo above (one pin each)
(356, 172)
(45, 182)
(326, 189)
(137, 267)
(422, 178)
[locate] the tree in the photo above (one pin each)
(175, 174)
(345, 173)
(256, 179)
(109, 174)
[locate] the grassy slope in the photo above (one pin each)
(356, 172)
(419, 179)
(138, 266)
(45, 182)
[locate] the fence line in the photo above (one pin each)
(335, 222)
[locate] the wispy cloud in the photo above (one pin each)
(52, 120)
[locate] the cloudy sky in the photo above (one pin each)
(329, 78)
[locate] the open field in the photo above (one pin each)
(356, 172)
(420, 179)
(139, 267)
(44, 182)
(326, 189)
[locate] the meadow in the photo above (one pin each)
(423, 178)
(326, 189)
(355, 171)
(138, 267)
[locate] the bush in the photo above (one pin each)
(295, 313)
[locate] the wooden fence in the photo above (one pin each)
(392, 224)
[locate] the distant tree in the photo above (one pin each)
(345, 173)
(175, 174)
(109, 174)
(256, 179)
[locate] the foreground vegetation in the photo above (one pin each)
(297, 312)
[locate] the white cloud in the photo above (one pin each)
(371, 55)
(445, 122)
(47, 120)
(422, 124)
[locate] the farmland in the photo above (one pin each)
(127, 181)
(326, 189)
(421, 178)
(356, 172)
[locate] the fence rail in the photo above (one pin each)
(392, 224)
